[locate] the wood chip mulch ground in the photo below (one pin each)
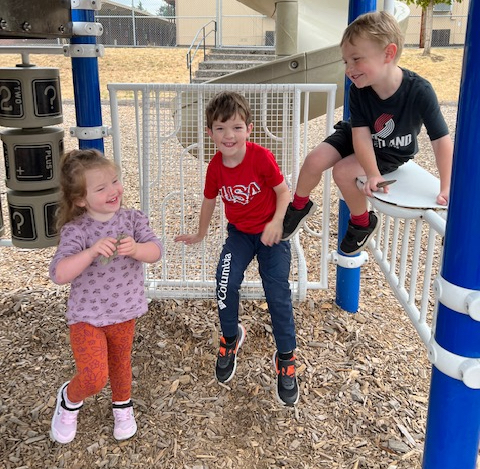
(364, 382)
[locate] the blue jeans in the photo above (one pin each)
(274, 268)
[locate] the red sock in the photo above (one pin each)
(362, 220)
(299, 202)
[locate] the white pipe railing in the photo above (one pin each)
(407, 248)
(169, 114)
(411, 269)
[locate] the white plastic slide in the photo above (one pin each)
(317, 59)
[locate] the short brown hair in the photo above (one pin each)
(377, 26)
(225, 105)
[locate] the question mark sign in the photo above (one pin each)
(54, 94)
(20, 222)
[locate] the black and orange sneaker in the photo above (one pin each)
(227, 357)
(287, 385)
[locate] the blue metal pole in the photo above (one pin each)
(348, 279)
(453, 422)
(86, 84)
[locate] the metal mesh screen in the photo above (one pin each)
(162, 145)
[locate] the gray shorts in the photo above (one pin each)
(342, 141)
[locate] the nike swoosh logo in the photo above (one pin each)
(359, 243)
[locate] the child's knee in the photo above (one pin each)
(338, 172)
(95, 385)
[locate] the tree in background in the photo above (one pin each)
(167, 9)
(140, 6)
(427, 20)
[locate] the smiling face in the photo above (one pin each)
(367, 63)
(230, 137)
(104, 193)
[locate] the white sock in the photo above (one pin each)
(121, 402)
(69, 403)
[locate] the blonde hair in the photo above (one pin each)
(73, 184)
(377, 26)
(225, 105)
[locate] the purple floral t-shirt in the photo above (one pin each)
(105, 294)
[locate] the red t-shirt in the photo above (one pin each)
(246, 190)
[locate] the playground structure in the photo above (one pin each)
(307, 50)
(308, 33)
(170, 187)
(456, 376)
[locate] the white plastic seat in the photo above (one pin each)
(415, 190)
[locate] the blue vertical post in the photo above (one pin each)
(86, 84)
(453, 422)
(348, 279)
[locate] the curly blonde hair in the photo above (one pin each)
(377, 26)
(73, 166)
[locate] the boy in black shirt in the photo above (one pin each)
(388, 106)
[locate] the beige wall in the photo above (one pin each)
(243, 26)
(238, 27)
(455, 21)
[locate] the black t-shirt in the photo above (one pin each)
(395, 122)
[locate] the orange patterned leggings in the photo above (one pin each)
(101, 353)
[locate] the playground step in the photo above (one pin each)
(217, 56)
(220, 62)
(228, 64)
(243, 50)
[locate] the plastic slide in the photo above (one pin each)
(316, 56)
(308, 34)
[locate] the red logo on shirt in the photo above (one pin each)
(240, 194)
(384, 126)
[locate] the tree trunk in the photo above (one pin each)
(428, 28)
(421, 42)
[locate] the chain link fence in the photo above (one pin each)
(175, 23)
(448, 30)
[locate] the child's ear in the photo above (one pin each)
(80, 203)
(209, 132)
(391, 52)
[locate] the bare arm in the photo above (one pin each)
(206, 212)
(362, 143)
(272, 233)
(443, 150)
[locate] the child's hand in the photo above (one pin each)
(126, 247)
(371, 185)
(272, 233)
(442, 198)
(104, 247)
(106, 258)
(188, 238)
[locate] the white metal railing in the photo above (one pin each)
(197, 43)
(408, 248)
(163, 125)
(163, 128)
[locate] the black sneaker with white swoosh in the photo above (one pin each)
(357, 237)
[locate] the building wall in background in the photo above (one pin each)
(240, 25)
(449, 25)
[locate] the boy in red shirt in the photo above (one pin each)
(256, 196)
